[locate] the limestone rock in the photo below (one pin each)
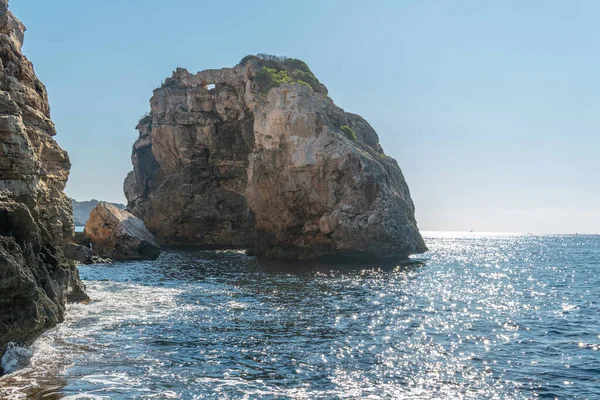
(117, 234)
(35, 214)
(264, 160)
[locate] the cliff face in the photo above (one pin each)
(35, 214)
(266, 161)
(190, 164)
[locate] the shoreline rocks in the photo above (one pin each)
(35, 214)
(266, 161)
(118, 235)
(77, 252)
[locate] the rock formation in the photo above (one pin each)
(265, 160)
(117, 234)
(79, 253)
(82, 210)
(35, 214)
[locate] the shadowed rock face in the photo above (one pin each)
(35, 214)
(277, 169)
(190, 166)
(117, 234)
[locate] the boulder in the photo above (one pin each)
(80, 239)
(82, 210)
(35, 214)
(77, 252)
(119, 235)
(266, 161)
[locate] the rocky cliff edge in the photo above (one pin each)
(35, 214)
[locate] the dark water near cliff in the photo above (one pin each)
(485, 316)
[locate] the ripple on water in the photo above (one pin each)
(486, 316)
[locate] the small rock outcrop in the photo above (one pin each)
(117, 234)
(259, 157)
(35, 215)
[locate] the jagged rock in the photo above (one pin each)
(35, 214)
(117, 234)
(266, 161)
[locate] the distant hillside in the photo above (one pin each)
(82, 210)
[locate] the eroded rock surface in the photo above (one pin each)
(117, 234)
(266, 161)
(35, 214)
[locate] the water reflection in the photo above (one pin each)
(503, 316)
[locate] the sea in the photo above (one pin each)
(480, 316)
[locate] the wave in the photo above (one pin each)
(15, 358)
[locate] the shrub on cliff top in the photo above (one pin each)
(146, 118)
(267, 78)
(263, 57)
(349, 132)
(270, 75)
(246, 59)
(306, 77)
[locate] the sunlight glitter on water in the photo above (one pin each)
(486, 316)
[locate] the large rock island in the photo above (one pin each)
(35, 214)
(259, 157)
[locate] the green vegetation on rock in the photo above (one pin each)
(267, 78)
(276, 70)
(349, 132)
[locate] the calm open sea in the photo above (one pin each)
(481, 316)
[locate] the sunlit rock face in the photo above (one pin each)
(35, 214)
(117, 234)
(259, 157)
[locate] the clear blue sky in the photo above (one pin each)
(491, 108)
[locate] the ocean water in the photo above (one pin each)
(481, 316)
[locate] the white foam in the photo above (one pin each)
(85, 396)
(15, 358)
